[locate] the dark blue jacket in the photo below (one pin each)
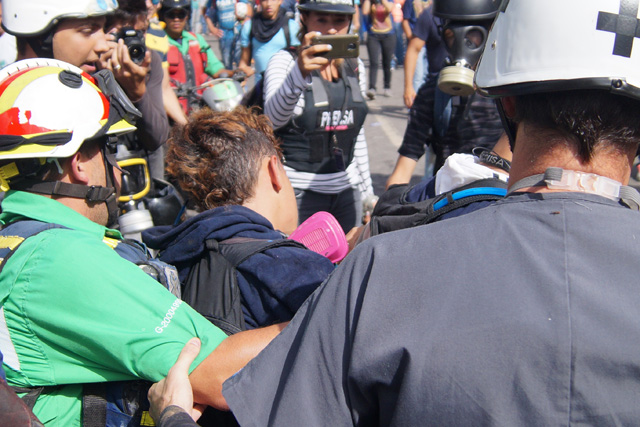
(273, 283)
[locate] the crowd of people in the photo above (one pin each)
(499, 291)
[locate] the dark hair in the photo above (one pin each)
(303, 26)
(216, 156)
(128, 11)
(591, 119)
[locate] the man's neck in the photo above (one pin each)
(532, 157)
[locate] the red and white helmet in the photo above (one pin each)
(49, 108)
(35, 17)
(549, 45)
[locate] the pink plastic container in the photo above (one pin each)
(322, 233)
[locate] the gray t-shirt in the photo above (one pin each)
(526, 312)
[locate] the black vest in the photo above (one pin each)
(322, 139)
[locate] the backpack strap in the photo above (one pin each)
(94, 405)
(14, 234)
(238, 249)
(31, 394)
(211, 287)
(395, 213)
(456, 199)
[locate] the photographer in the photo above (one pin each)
(327, 161)
(139, 72)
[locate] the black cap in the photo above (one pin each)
(172, 4)
(466, 10)
(327, 6)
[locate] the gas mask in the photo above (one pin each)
(465, 43)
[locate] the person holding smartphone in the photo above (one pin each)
(317, 107)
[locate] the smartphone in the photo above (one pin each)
(343, 45)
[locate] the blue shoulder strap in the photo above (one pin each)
(12, 236)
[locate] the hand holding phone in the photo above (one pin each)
(342, 45)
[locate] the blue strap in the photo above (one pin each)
(471, 192)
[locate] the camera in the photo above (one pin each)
(134, 40)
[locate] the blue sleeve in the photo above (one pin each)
(407, 10)
(423, 25)
(293, 32)
(245, 33)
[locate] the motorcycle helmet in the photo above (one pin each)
(224, 95)
(48, 110)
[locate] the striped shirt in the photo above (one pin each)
(284, 88)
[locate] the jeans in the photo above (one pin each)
(230, 49)
(346, 206)
(376, 44)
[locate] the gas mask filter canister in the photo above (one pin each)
(465, 44)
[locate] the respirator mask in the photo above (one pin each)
(465, 43)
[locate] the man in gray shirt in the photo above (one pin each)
(526, 312)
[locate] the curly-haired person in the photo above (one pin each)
(229, 164)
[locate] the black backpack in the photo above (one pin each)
(211, 286)
(394, 212)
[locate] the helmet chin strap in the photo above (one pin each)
(42, 45)
(510, 127)
(112, 201)
(91, 193)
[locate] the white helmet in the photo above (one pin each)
(49, 108)
(550, 45)
(36, 17)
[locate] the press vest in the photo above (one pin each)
(188, 68)
(322, 139)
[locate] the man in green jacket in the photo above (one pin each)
(73, 311)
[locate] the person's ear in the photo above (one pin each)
(275, 173)
(78, 170)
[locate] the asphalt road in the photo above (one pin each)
(384, 126)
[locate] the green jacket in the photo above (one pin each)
(73, 311)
